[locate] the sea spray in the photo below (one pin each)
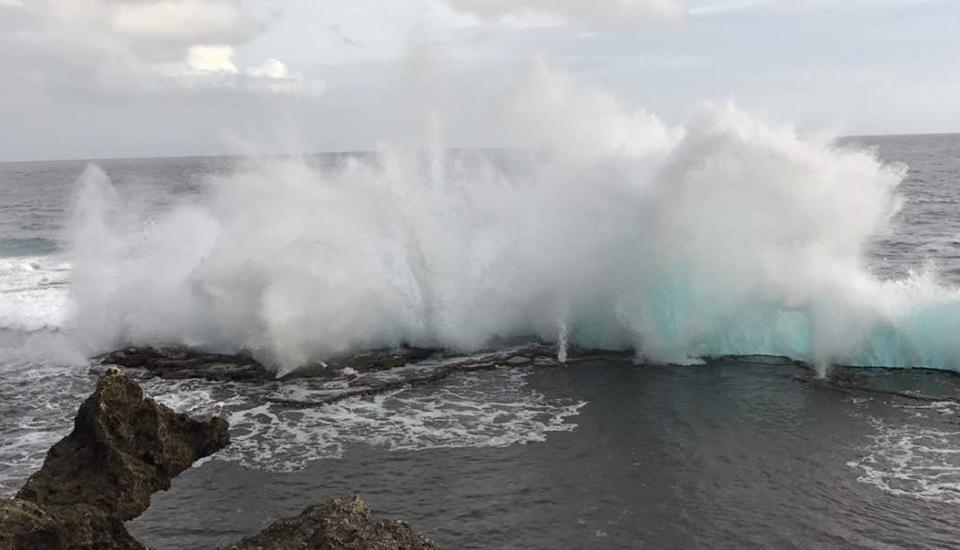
(728, 236)
(563, 332)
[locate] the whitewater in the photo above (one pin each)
(600, 227)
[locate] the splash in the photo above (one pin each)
(726, 237)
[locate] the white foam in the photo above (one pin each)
(33, 292)
(487, 409)
(21, 455)
(188, 401)
(913, 460)
(40, 388)
(948, 408)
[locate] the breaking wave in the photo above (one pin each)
(601, 228)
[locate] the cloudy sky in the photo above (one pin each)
(130, 78)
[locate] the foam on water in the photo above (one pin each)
(914, 460)
(489, 409)
(33, 292)
(39, 394)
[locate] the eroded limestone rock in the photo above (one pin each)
(338, 524)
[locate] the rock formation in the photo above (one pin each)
(179, 362)
(336, 525)
(123, 448)
(26, 526)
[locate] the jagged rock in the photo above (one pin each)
(338, 524)
(180, 362)
(370, 361)
(26, 526)
(123, 448)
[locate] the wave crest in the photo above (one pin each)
(604, 228)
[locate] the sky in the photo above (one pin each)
(146, 78)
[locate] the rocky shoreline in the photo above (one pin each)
(123, 448)
(357, 375)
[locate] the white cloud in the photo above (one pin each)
(271, 68)
(116, 47)
(211, 59)
(613, 13)
(155, 29)
(274, 76)
(213, 68)
(724, 8)
(182, 21)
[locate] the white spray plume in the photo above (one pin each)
(609, 229)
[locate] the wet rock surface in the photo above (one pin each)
(372, 361)
(28, 526)
(123, 448)
(358, 375)
(180, 363)
(338, 524)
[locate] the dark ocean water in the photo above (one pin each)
(595, 454)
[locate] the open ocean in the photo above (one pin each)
(603, 453)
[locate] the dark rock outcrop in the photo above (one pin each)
(338, 524)
(180, 362)
(26, 526)
(361, 374)
(123, 448)
(365, 362)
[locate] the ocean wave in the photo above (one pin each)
(605, 228)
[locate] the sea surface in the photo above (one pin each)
(606, 452)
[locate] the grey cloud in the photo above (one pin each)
(109, 49)
(179, 24)
(341, 37)
(616, 13)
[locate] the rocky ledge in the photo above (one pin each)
(336, 525)
(173, 362)
(362, 374)
(123, 448)
(27, 526)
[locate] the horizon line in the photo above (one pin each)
(370, 151)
